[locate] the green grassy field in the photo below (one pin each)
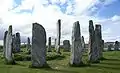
(60, 65)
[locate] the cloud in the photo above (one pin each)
(47, 12)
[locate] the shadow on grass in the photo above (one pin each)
(56, 70)
(112, 59)
(107, 67)
(55, 57)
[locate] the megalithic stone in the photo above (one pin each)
(38, 51)
(92, 48)
(66, 45)
(8, 51)
(14, 43)
(102, 49)
(4, 43)
(55, 42)
(76, 48)
(28, 43)
(18, 42)
(110, 47)
(116, 46)
(49, 44)
(58, 36)
(83, 43)
(98, 41)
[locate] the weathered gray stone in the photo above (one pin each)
(18, 42)
(83, 43)
(28, 44)
(14, 43)
(76, 48)
(109, 47)
(4, 43)
(66, 45)
(102, 49)
(49, 44)
(98, 41)
(93, 52)
(8, 50)
(58, 36)
(38, 51)
(116, 46)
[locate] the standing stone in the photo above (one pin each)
(8, 50)
(38, 51)
(58, 36)
(18, 42)
(110, 47)
(116, 46)
(4, 43)
(102, 49)
(83, 43)
(28, 45)
(55, 42)
(14, 43)
(92, 48)
(49, 44)
(98, 41)
(76, 48)
(66, 45)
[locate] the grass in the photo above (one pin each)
(111, 64)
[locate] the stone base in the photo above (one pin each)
(44, 66)
(78, 65)
(10, 62)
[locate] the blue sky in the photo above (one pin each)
(22, 13)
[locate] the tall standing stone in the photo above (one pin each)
(98, 41)
(83, 43)
(49, 44)
(92, 45)
(58, 36)
(38, 51)
(4, 43)
(102, 49)
(28, 43)
(18, 42)
(116, 46)
(14, 43)
(8, 50)
(76, 48)
(66, 45)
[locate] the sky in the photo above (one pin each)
(22, 13)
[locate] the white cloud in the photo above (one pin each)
(48, 16)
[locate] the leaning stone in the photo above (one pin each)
(66, 45)
(76, 48)
(38, 51)
(58, 37)
(8, 51)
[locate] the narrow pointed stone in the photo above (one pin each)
(4, 43)
(49, 44)
(93, 56)
(76, 48)
(8, 51)
(18, 42)
(58, 36)
(83, 43)
(38, 51)
(28, 45)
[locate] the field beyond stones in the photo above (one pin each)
(60, 64)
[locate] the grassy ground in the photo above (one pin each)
(60, 65)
